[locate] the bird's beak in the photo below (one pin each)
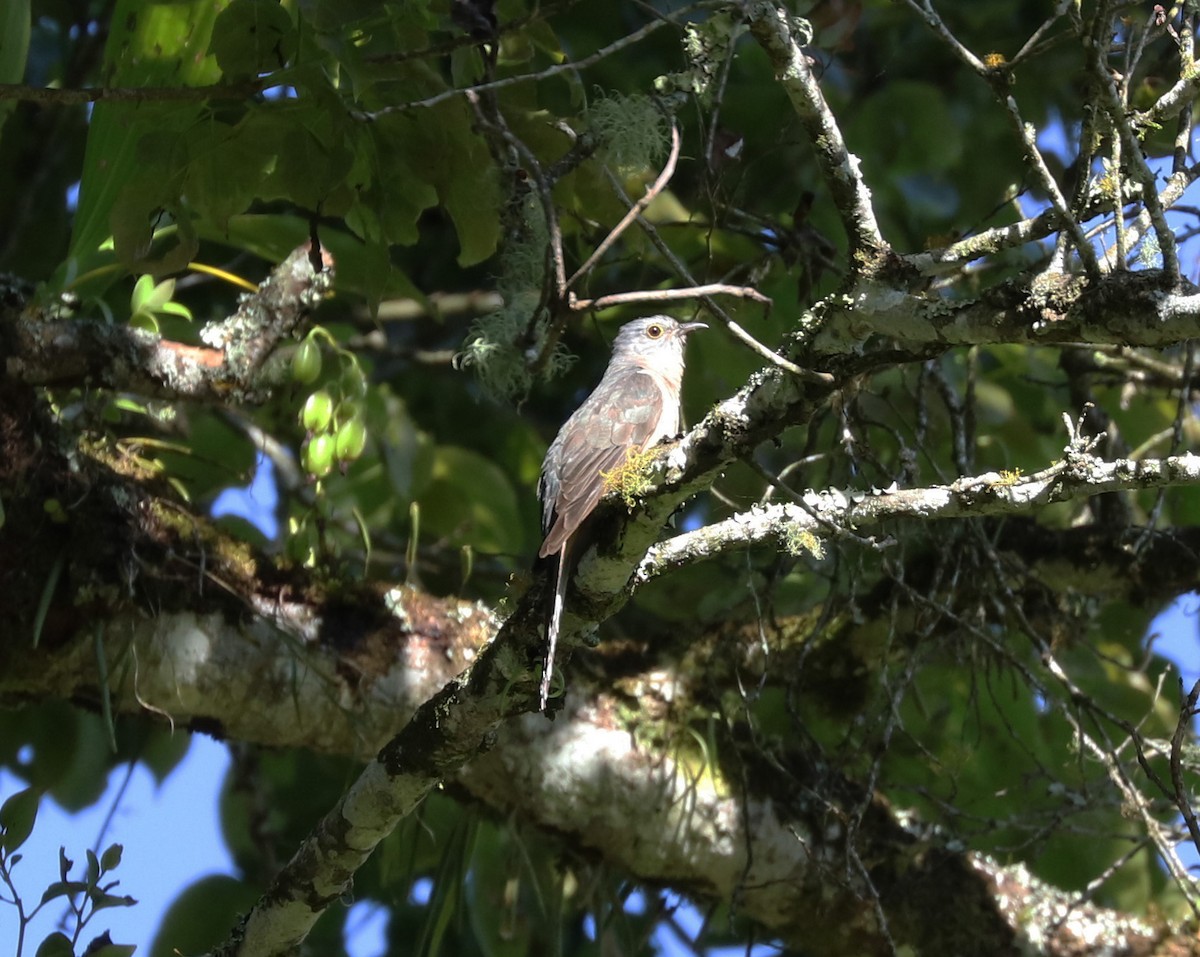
(686, 327)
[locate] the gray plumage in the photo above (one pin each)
(635, 406)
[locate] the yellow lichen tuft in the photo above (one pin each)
(630, 478)
(802, 541)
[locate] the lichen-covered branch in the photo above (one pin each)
(1126, 309)
(801, 526)
(55, 352)
(775, 33)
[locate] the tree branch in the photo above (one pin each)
(773, 30)
(60, 96)
(45, 352)
(1129, 309)
(800, 526)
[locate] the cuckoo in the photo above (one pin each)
(635, 406)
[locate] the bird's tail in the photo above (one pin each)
(561, 574)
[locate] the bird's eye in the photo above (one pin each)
(654, 331)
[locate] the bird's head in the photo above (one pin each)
(654, 337)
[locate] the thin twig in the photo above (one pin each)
(1171, 193)
(493, 121)
(1122, 245)
(1037, 34)
(1187, 63)
(636, 37)
(1026, 133)
(670, 295)
(684, 273)
(935, 23)
(1113, 106)
(635, 211)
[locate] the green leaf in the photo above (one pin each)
(102, 900)
(63, 889)
(253, 36)
(144, 320)
(14, 47)
(142, 290)
(177, 309)
(474, 208)
(398, 195)
(160, 295)
(471, 501)
(499, 873)
(360, 268)
(227, 164)
(219, 456)
(56, 945)
(112, 950)
(14, 39)
(17, 817)
(314, 162)
(93, 868)
(149, 45)
(444, 150)
(111, 858)
(201, 916)
(137, 218)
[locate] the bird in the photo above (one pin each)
(635, 406)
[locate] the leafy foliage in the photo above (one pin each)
(86, 896)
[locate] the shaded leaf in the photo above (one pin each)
(101, 901)
(14, 47)
(93, 868)
(253, 36)
(471, 501)
(200, 917)
(63, 888)
(111, 858)
(55, 945)
(17, 817)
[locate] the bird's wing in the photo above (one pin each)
(623, 413)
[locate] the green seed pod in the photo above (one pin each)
(354, 382)
(351, 439)
(306, 362)
(318, 455)
(317, 412)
